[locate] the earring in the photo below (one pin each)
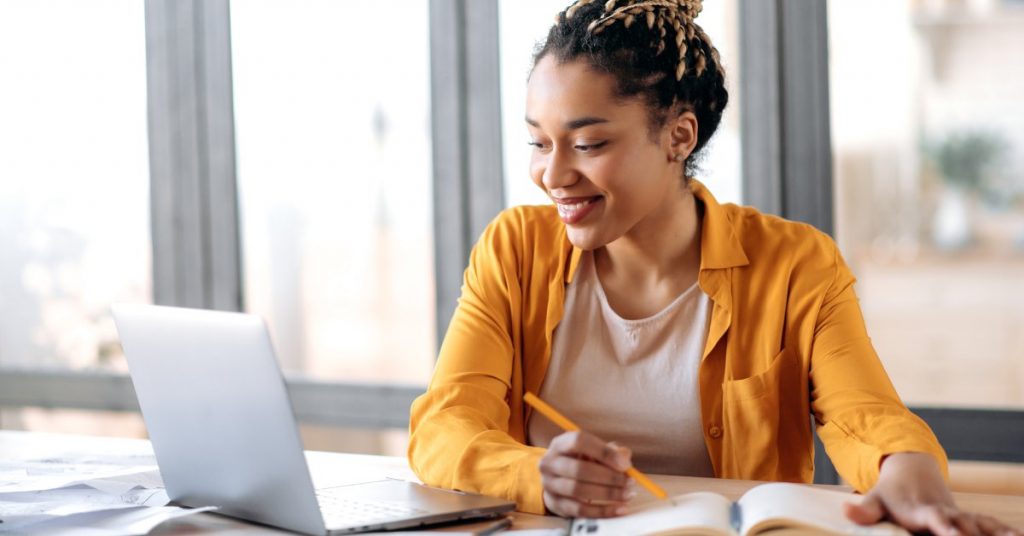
(679, 158)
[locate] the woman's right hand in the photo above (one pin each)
(584, 476)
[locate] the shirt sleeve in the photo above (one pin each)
(459, 429)
(860, 417)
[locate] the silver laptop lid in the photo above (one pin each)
(218, 413)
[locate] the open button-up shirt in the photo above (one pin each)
(786, 341)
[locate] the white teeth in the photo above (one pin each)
(567, 210)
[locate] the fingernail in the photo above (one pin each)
(621, 510)
(630, 494)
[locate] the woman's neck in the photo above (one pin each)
(665, 246)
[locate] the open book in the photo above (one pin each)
(778, 509)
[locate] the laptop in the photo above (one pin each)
(222, 428)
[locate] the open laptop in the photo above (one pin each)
(222, 428)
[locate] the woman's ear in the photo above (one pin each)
(682, 136)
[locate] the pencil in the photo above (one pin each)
(551, 413)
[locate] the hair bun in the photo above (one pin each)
(687, 9)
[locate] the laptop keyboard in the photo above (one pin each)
(346, 511)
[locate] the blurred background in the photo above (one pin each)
(338, 148)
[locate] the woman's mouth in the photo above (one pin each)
(574, 209)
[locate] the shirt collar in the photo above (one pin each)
(719, 245)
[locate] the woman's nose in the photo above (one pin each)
(558, 171)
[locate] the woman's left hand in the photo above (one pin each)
(912, 493)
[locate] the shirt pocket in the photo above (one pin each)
(758, 415)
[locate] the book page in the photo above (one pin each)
(797, 506)
(694, 513)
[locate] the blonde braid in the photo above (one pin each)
(576, 7)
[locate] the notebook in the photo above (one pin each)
(218, 414)
(778, 509)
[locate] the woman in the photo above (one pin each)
(701, 337)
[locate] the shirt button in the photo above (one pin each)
(715, 431)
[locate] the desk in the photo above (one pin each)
(334, 469)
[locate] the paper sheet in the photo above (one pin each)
(134, 520)
(38, 475)
(83, 496)
(28, 507)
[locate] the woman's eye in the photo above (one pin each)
(587, 147)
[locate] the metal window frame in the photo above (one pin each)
(466, 118)
(195, 225)
(972, 434)
(314, 402)
(194, 201)
(786, 145)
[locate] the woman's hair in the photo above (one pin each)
(654, 50)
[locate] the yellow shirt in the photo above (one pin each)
(786, 342)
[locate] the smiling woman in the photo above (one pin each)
(684, 336)
(523, 27)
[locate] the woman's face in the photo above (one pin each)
(594, 156)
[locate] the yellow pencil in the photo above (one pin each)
(546, 410)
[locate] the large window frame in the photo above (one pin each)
(787, 170)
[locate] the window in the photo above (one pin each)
(74, 187)
(524, 24)
(334, 171)
(75, 231)
(928, 144)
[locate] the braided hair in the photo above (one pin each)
(655, 51)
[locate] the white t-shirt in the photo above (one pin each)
(629, 381)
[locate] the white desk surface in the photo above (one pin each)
(336, 468)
